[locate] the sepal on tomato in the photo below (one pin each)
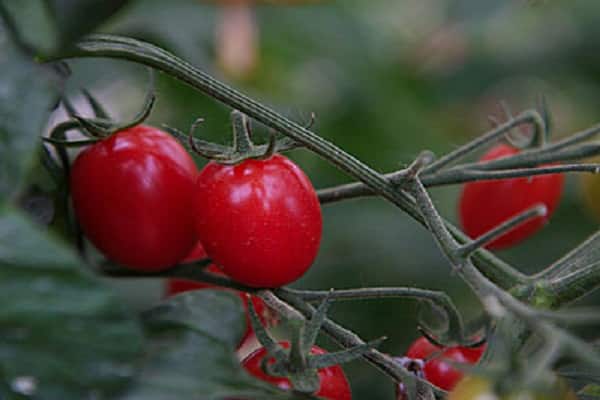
(296, 362)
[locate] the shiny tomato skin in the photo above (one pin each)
(132, 194)
(443, 374)
(260, 220)
(438, 371)
(334, 385)
(175, 285)
(485, 204)
(422, 349)
(476, 388)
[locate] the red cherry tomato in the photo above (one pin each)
(485, 204)
(436, 370)
(422, 349)
(174, 286)
(334, 385)
(260, 220)
(132, 194)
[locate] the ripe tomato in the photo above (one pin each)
(485, 204)
(474, 388)
(132, 194)
(260, 220)
(174, 286)
(436, 370)
(334, 385)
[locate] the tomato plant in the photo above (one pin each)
(132, 195)
(260, 220)
(175, 285)
(333, 382)
(485, 204)
(475, 388)
(435, 369)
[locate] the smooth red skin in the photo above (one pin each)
(260, 220)
(422, 348)
(438, 372)
(334, 385)
(174, 286)
(132, 194)
(485, 204)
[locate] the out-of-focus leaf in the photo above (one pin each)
(27, 14)
(63, 334)
(47, 26)
(191, 352)
(74, 18)
(26, 98)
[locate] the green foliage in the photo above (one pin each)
(60, 326)
(27, 94)
(190, 351)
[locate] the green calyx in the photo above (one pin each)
(296, 361)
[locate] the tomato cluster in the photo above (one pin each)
(486, 204)
(434, 362)
(141, 201)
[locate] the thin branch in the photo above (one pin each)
(536, 211)
(530, 117)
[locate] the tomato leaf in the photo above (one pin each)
(64, 335)
(58, 23)
(191, 351)
(26, 98)
(74, 18)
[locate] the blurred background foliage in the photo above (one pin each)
(386, 79)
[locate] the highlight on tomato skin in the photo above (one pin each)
(132, 195)
(484, 205)
(260, 220)
(333, 382)
(174, 286)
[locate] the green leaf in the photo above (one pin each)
(22, 16)
(74, 18)
(26, 98)
(63, 334)
(58, 23)
(191, 351)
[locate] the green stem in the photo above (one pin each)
(439, 299)
(575, 285)
(348, 339)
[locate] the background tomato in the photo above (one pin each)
(132, 194)
(260, 220)
(174, 286)
(334, 385)
(485, 204)
(475, 388)
(436, 370)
